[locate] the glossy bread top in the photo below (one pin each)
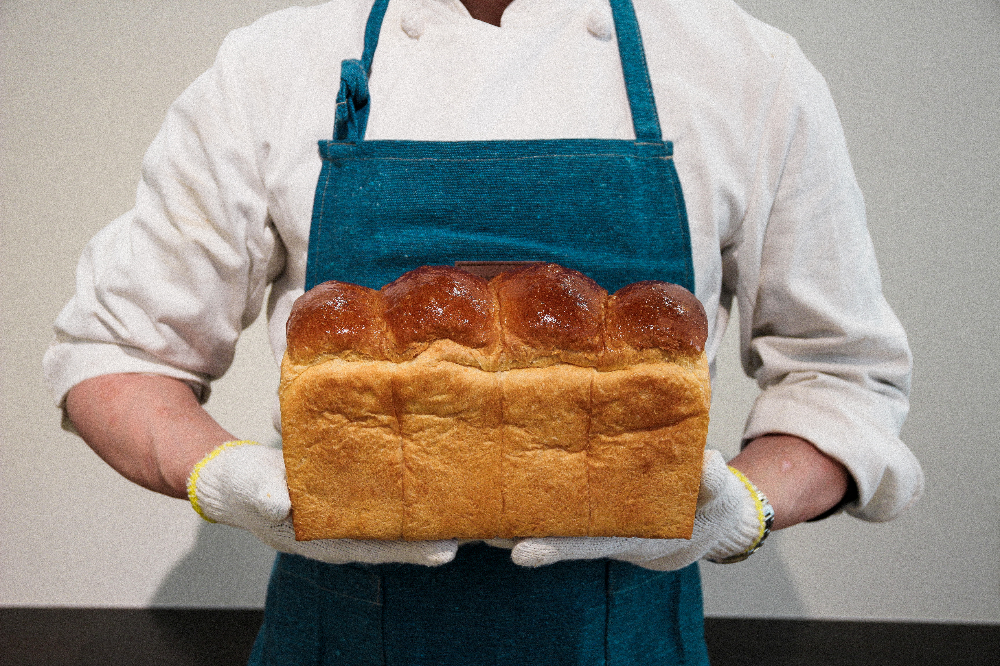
(440, 302)
(537, 315)
(336, 318)
(656, 315)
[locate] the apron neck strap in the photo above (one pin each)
(637, 84)
(352, 101)
(351, 119)
(372, 29)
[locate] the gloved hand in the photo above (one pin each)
(729, 522)
(242, 484)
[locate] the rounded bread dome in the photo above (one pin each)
(439, 302)
(656, 315)
(336, 318)
(537, 315)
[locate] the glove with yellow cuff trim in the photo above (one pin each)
(731, 521)
(242, 484)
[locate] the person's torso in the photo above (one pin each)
(550, 71)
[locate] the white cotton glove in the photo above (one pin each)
(242, 484)
(728, 522)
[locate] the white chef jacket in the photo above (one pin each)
(776, 217)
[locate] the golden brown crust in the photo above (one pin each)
(549, 313)
(449, 417)
(545, 434)
(342, 451)
(533, 404)
(436, 303)
(656, 315)
(335, 318)
(648, 430)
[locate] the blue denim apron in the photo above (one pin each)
(609, 208)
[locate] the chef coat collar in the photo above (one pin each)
(522, 14)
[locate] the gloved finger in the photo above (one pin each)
(242, 484)
(271, 498)
(426, 553)
(281, 537)
(723, 497)
(644, 551)
(667, 555)
(342, 551)
(541, 551)
(715, 476)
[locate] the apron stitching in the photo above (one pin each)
(382, 618)
(319, 225)
(608, 597)
(645, 581)
(387, 158)
(326, 589)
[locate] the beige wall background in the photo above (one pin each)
(85, 87)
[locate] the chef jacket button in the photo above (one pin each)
(413, 23)
(600, 23)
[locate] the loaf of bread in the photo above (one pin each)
(531, 404)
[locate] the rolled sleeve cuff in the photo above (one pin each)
(66, 364)
(841, 421)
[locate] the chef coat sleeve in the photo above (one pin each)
(830, 356)
(168, 287)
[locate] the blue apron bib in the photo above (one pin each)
(609, 208)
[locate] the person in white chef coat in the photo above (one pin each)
(642, 139)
